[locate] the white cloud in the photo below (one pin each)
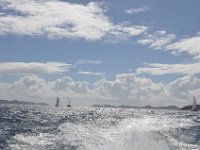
(90, 73)
(158, 40)
(81, 62)
(128, 87)
(124, 32)
(57, 19)
(125, 88)
(33, 88)
(163, 40)
(137, 10)
(33, 67)
(143, 91)
(162, 69)
(66, 86)
(190, 45)
(27, 88)
(184, 88)
(127, 30)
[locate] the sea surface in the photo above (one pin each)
(50, 128)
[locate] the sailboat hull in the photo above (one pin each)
(194, 109)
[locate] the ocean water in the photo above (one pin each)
(50, 128)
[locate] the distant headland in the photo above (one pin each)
(145, 107)
(189, 107)
(17, 102)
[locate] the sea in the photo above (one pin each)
(24, 127)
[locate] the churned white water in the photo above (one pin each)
(98, 128)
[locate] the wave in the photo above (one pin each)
(42, 127)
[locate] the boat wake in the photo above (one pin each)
(104, 129)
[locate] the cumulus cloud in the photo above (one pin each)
(90, 73)
(183, 88)
(143, 91)
(33, 67)
(125, 87)
(189, 45)
(162, 69)
(157, 40)
(37, 89)
(26, 88)
(59, 19)
(128, 86)
(137, 10)
(67, 86)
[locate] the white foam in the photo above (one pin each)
(147, 132)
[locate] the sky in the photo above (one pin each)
(131, 52)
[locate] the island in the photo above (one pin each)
(189, 107)
(144, 107)
(17, 102)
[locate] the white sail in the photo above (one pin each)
(57, 101)
(194, 107)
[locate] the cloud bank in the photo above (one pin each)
(124, 88)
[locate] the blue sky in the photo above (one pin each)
(91, 51)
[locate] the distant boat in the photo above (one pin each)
(69, 104)
(57, 101)
(194, 106)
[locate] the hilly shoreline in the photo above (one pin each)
(19, 102)
(144, 107)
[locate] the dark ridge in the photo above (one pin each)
(20, 102)
(145, 107)
(189, 107)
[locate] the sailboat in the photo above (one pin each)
(69, 104)
(194, 106)
(57, 101)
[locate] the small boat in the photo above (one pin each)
(69, 104)
(194, 106)
(57, 101)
